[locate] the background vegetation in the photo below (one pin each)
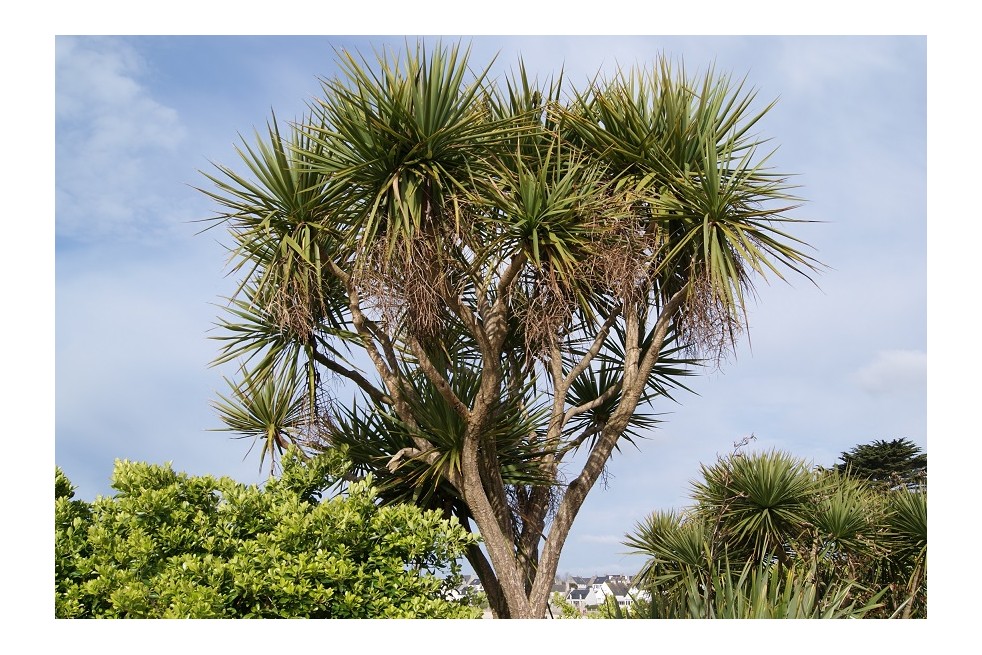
(766, 537)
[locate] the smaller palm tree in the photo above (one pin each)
(770, 537)
(757, 504)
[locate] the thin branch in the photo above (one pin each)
(438, 380)
(390, 376)
(594, 350)
(590, 431)
(559, 387)
(373, 392)
(362, 326)
(659, 331)
(632, 347)
(611, 391)
(470, 321)
(393, 462)
(514, 267)
(578, 489)
(629, 400)
(496, 324)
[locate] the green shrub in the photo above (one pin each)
(169, 545)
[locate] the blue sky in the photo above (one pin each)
(135, 287)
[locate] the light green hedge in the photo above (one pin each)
(169, 545)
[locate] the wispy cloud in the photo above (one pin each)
(894, 372)
(114, 139)
(812, 68)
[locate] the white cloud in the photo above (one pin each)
(894, 371)
(98, 91)
(114, 143)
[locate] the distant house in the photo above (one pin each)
(600, 579)
(610, 586)
(471, 586)
(575, 582)
(583, 593)
(580, 598)
(620, 591)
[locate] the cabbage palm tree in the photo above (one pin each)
(507, 272)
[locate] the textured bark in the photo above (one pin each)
(492, 588)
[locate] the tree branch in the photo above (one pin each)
(438, 380)
(470, 322)
(514, 267)
(594, 349)
(496, 324)
(429, 456)
(365, 328)
(593, 404)
(373, 392)
(390, 376)
(492, 588)
(575, 443)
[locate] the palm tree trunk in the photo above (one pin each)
(492, 588)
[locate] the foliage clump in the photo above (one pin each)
(169, 545)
